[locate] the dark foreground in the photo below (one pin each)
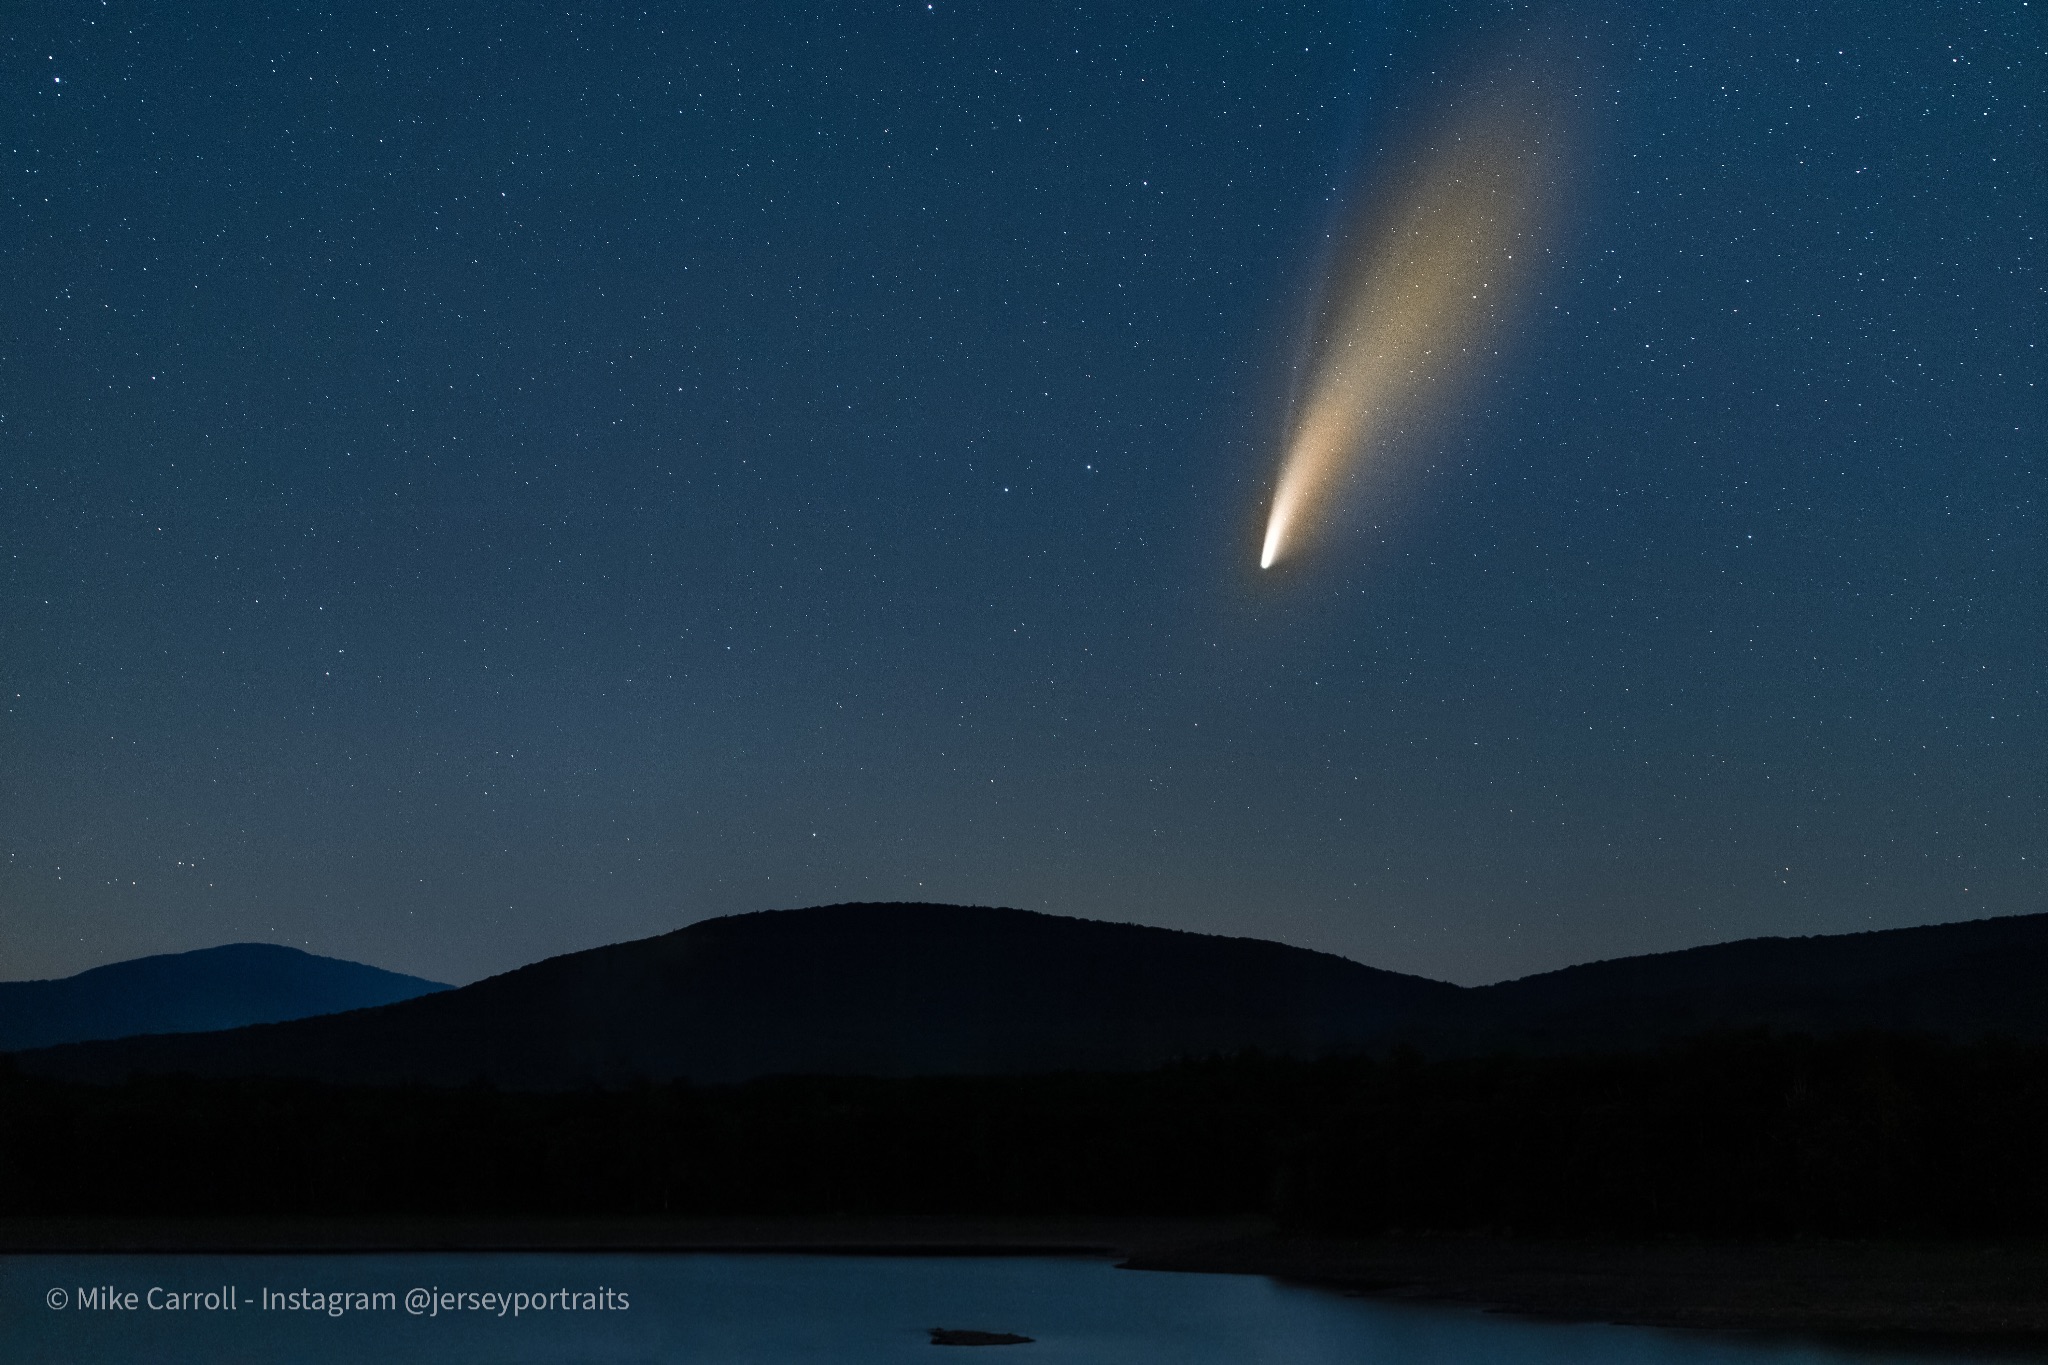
(876, 1236)
(1743, 1138)
(1870, 1183)
(1990, 1294)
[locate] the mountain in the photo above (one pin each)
(904, 990)
(213, 988)
(1964, 980)
(886, 990)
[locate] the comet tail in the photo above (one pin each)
(1412, 293)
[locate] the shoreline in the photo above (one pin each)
(1980, 1293)
(1970, 1294)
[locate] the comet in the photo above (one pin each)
(1419, 283)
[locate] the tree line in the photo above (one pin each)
(1752, 1135)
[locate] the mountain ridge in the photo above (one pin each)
(850, 989)
(895, 989)
(1958, 979)
(207, 989)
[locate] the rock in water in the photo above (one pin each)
(954, 1336)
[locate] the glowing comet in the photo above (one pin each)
(1414, 288)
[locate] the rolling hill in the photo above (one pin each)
(212, 988)
(886, 990)
(1958, 980)
(907, 990)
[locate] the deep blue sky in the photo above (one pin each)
(482, 481)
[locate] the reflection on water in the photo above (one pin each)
(765, 1310)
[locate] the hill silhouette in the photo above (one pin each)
(882, 990)
(212, 988)
(1974, 979)
(894, 990)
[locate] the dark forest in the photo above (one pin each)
(1732, 1135)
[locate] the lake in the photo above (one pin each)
(769, 1310)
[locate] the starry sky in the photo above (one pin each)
(483, 481)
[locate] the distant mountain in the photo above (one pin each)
(903, 990)
(888, 990)
(213, 988)
(1982, 977)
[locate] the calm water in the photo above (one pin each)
(768, 1310)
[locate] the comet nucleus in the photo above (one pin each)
(1416, 285)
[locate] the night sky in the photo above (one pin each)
(483, 481)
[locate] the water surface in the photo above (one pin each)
(773, 1310)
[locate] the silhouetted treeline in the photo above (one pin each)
(1753, 1135)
